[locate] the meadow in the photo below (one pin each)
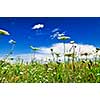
(34, 72)
(52, 71)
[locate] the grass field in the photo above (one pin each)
(52, 72)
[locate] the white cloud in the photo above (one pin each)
(38, 26)
(45, 52)
(86, 48)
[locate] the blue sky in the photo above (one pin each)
(81, 30)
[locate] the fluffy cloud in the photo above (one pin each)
(38, 26)
(45, 52)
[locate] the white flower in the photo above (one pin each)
(72, 42)
(12, 42)
(62, 34)
(3, 32)
(40, 76)
(3, 78)
(40, 81)
(21, 73)
(50, 69)
(34, 48)
(35, 78)
(98, 74)
(46, 80)
(63, 37)
(43, 78)
(4, 67)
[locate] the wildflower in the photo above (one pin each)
(46, 62)
(50, 69)
(40, 81)
(72, 42)
(35, 78)
(3, 32)
(43, 78)
(12, 41)
(54, 73)
(34, 48)
(21, 73)
(46, 80)
(62, 34)
(4, 67)
(12, 48)
(51, 74)
(26, 81)
(3, 78)
(52, 53)
(98, 74)
(40, 76)
(63, 37)
(46, 76)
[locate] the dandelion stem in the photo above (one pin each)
(11, 51)
(73, 56)
(64, 51)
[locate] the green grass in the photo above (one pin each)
(49, 73)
